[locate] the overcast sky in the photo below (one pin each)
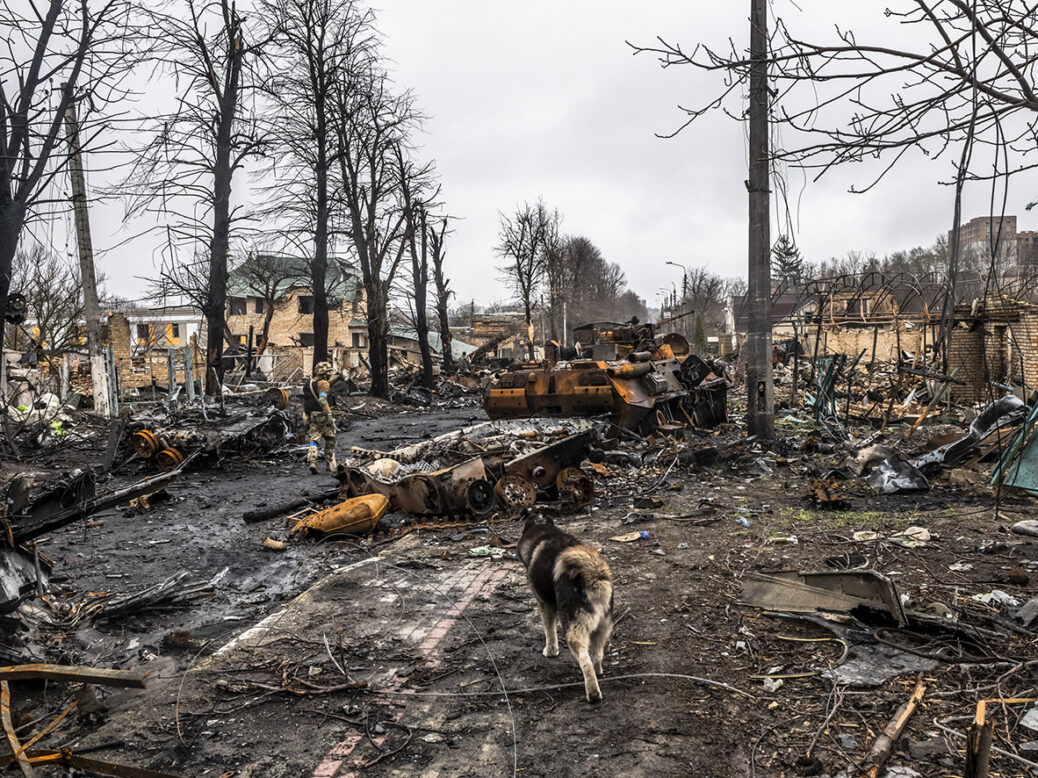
(544, 98)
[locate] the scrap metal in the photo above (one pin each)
(25, 759)
(639, 380)
(472, 471)
(355, 516)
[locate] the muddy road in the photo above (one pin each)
(422, 655)
(200, 529)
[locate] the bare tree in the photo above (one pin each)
(556, 276)
(593, 288)
(322, 44)
(969, 80)
(436, 235)
(54, 301)
(417, 195)
(973, 69)
(266, 276)
(372, 125)
(186, 172)
(79, 45)
(521, 246)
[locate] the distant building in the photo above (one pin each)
(162, 326)
(1017, 249)
(291, 337)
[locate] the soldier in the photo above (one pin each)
(320, 422)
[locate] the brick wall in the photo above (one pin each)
(119, 340)
(1023, 350)
(287, 322)
(967, 353)
(140, 371)
(854, 340)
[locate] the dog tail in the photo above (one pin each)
(584, 568)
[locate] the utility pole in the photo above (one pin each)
(760, 391)
(91, 308)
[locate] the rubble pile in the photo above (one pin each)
(871, 564)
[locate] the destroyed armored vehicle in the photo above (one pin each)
(641, 381)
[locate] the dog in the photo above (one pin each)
(571, 580)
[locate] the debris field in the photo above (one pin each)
(824, 603)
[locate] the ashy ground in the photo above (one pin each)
(415, 657)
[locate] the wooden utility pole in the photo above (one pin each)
(760, 391)
(91, 308)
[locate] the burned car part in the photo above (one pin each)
(575, 486)
(245, 433)
(355, 516)
(515, 494)
(651, 387)
(472, 470)
(425, 493)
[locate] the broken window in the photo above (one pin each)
(358, 340)
(237, 306)
(306, 339)
(306, 305)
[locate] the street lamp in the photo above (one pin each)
(684, 279)
(667, 301)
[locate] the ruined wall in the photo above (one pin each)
(1022, 350)
(119, 340)
(995, 350)
(967, 353)
(287, 323)
(854, 340)
(151, 366)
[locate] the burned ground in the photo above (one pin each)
(421, 654)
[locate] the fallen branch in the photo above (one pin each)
(884, 744)
(12, 739)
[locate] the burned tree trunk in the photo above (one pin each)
(319, 263)
(319, 266)
(378, 347)
(219, 247)
(12, 215)
(442, 297)
(420, 270)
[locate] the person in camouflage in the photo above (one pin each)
(319, 420)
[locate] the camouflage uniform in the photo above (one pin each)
(320, 422)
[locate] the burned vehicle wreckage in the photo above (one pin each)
(504, 466)
(640, 380)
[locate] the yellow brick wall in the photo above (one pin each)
(287, 322)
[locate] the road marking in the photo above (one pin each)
(483, 583)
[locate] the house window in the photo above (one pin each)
(306, 304)
(259, 305)
(240, 339)
(174, 331)
(306, 339)
(143, 334)
(358, 340)
(237, 306)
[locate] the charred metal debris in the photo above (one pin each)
(633, 438)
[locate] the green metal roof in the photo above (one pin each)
(340, 284)
(459, 348)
